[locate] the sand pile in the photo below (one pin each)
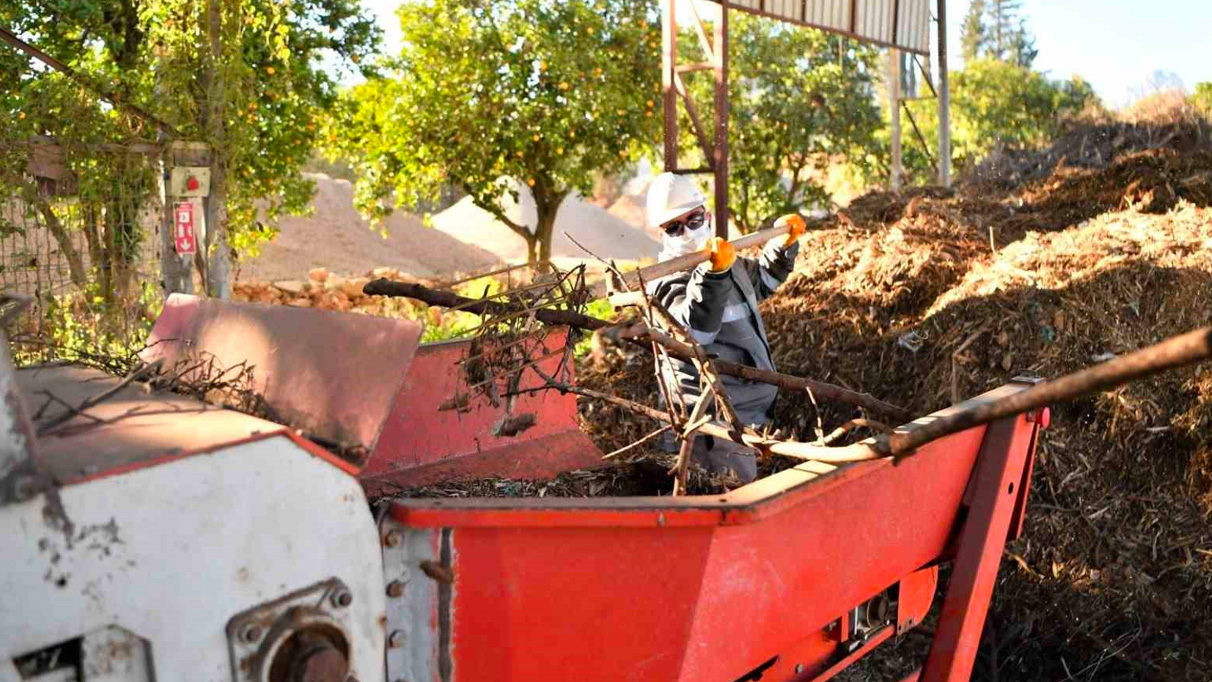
(335, 237)
(603, 233)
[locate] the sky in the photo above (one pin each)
(1115, 44)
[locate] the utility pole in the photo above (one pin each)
(894, 102)
(944, 101)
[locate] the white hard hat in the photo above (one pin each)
(670, 196)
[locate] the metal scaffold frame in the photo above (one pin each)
(896, 24)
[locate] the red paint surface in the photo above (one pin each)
(421, 444)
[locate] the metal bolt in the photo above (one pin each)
(396, 639)
(250, 633)
(342, 598)
(24, 488)
(799, 668)
(393, 539)
(395, 589)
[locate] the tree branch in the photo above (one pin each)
(497, 212)
(75, 264)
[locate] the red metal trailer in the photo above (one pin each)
(792, 577)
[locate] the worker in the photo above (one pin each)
(717, 303)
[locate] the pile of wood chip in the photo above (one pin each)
(1113, 579)
(326, 290)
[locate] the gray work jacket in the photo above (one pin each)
(720, 310)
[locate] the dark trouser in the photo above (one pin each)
(718, 455)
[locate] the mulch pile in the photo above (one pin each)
(908, 300)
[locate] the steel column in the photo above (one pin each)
(669, 60)
(894, 109)
(944, 101)
(721, 122)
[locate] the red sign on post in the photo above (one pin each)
(184, 232)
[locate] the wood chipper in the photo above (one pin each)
(151, 535)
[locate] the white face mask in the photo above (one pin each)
(688, 241)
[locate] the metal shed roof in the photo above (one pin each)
(904, 24)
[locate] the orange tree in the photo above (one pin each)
(541, 92)
(275, 60)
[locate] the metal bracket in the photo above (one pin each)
(309, 627)
(412, 639)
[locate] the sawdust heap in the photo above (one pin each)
(1113, 580)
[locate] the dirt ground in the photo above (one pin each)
(604, 233)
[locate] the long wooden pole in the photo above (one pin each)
(1179, 351)
(690, 260)
(446, 299)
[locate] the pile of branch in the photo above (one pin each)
(510, 339)
(641, 336)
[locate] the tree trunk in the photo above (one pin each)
(547, 206)
(75, 264)
(532, 250)
(218, 278)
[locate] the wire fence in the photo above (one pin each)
(80, 238)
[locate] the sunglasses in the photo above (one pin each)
(692, 221)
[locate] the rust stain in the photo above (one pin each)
(439, 572)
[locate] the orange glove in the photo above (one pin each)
(795, 223)
(722, 254)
